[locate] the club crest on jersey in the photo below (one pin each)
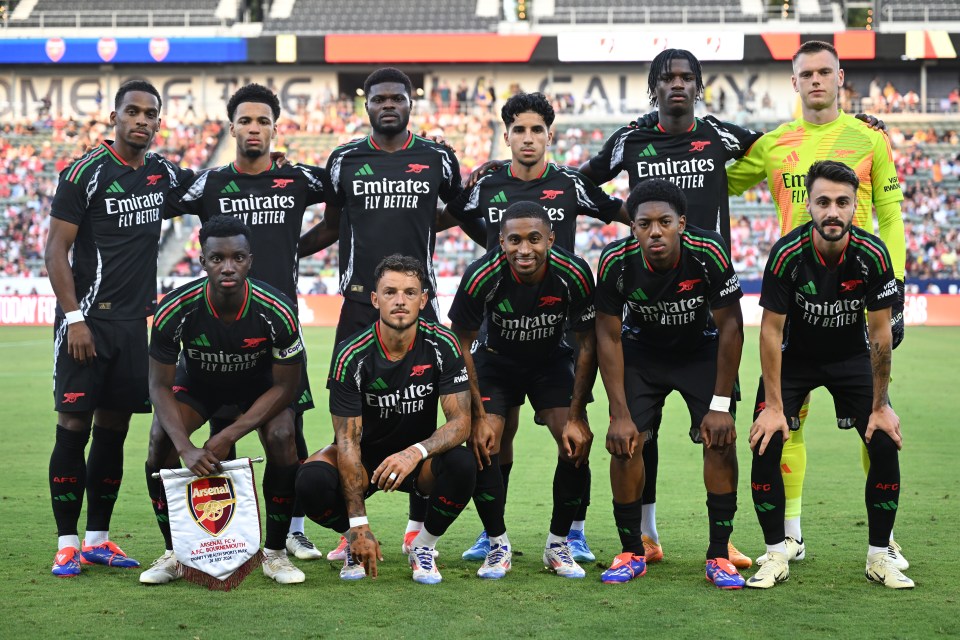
(71, 398)
(549, 301)
(850, 285)
(698, 145)
(152, 180)
(281, 183)
(252, 343)
(419, 369)
(687, 285)
(417, 168)
(551, 194)
(212, 500)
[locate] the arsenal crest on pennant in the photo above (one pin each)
(212, 500)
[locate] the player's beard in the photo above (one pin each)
(400, 325)
(397, 126)
(253, 153)
(833, 236)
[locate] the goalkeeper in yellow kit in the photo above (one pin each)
(783, 156)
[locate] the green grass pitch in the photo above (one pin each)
(827, 595)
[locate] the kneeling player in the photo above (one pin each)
(241, 346)
(668, 319)
(818, 280)
(525, 291)
(385, 385)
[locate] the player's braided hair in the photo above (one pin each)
(401, 263)
(834, 172)
(221, 226)
(815, 46)
(656, 190)
(135, 85)
(387, 74)
(525, 209)
(661, 65)
(253, 92)
(524, 102)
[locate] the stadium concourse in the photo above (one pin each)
(32, 155)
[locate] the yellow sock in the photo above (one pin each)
(864, 458)
(793, 466)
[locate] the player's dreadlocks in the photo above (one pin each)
(661, 65)
(253, 92)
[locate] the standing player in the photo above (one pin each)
(385, 190)
(817, 283)
(107, 209)
(668, 319)
(385, 386)
(783, 157)
(241, 346)
(690, 152)
(565, 194)
(525, 292)
(271, 200)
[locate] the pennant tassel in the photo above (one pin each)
(233, 580)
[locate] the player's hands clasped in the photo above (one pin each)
(622, 438)
(80, 343)
(201, 462)
(394, 469)
(718, 430)
(219, 445)
(769, 422)
(886, 420)
(365, 549)
(576, 439)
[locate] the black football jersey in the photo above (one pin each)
(397, 400)
(695, 161)
(270, 203)
(216, 354)
(825, 307)
(668, 311)
(389, 205)
(118, 211)
(563, 192)
(521, 320)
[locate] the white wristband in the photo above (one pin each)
(358, 521)
(422, 449)
(75, 316)
(719, 403)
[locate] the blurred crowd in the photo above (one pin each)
(32, 157)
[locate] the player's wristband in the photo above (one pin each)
(75, 316)
(719, 403)
(359, 521)
(422, 449)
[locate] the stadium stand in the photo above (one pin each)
(31, 158)
(373, 16)
(121, 13)
(679, 12)
(919, 11)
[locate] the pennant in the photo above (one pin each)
(215, 522)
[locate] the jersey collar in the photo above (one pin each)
(693, 127)
(546, 170)
(816, 252)
(107, 144)
(406, 145)
(243, 307)
(383, 348)
(233, 167)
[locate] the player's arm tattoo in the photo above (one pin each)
(771, 357)
(610, 360)
(466, 339)
(353, 476)
(881, 355)
(729, 321)
(456, 409)
(585, 371)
